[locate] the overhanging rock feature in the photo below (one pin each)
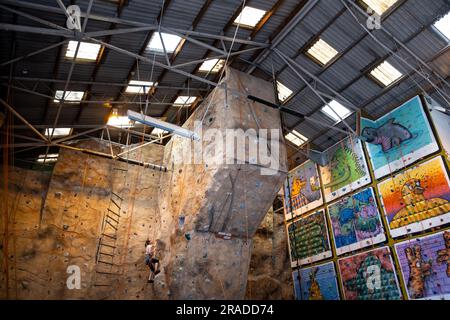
(219, 189)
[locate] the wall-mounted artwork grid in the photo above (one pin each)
(356, 222)
(425, 266)
(346, 170)
(308, 239)
(369, 276)
(302, 190)
(416, 199)
(316, 283)
(399, 138)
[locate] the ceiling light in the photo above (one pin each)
(443, 25)
(385, 73)
(379, 6)
(249, 17)
(283, 92)
(212, 66)
(296, 138)
(86, 51)
(70, 96)
(336, 111)
(171, 42)
(59, 132)
(184, 101)
(135, 86)
(51, 157)
(322, 52)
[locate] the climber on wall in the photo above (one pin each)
(150, 260)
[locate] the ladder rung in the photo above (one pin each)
(114, 227)
(116, 221)
(105, 262)
(109, 236)
(116, 195)
(112, 200)
(106, 254)
(107, 245)
(114, 212)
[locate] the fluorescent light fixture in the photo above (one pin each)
(334, 107)
(70, 96)
(443, 25)
(322, 51)
(385, 73)
(51, 157)
(184, 101)
(296, 138)
(141, 87)
(59, 132)
(212, 66)
(249, 17)
(283, 92)
(159, 132)
(171, 42)
(379, 6)
(87, 50)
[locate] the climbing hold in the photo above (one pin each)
(187, 236)
(181, 220)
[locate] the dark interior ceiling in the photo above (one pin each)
(289, 27)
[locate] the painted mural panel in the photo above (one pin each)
(425, 266)
(399, 138)
(369, 276)
(308, 239)
(316, 283)
(416, 199)
(346, 169)
(302, 190)
(356, 222)
(441, 123)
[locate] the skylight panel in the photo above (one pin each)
(296, 138)
(59, 132)
(249, 17)
(283, 92)
(212, 66)
(120, 121)
(334, 108)
(51, 157)
(385, 73)
(171, 42)
(379, 6)
(184, 100)
(443, 25)
(140, 87)
(159, 132)
(322, 52)
(70, 96)
(87, 50)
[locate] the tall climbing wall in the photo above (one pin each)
(211, 210)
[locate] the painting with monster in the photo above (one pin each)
(399, 138)
(346, 169)
(302, 190)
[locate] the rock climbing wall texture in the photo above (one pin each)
(199, 201)
(269, 275)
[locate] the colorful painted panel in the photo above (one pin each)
(399, 138)
(369, 276)
(355, 222)
(308, 239)
(316, 283)
(302, 190)
(346, 169)
(441, 123)
(417, 199)
(425, 265)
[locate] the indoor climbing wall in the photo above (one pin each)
(387, 221)
(211, 210)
